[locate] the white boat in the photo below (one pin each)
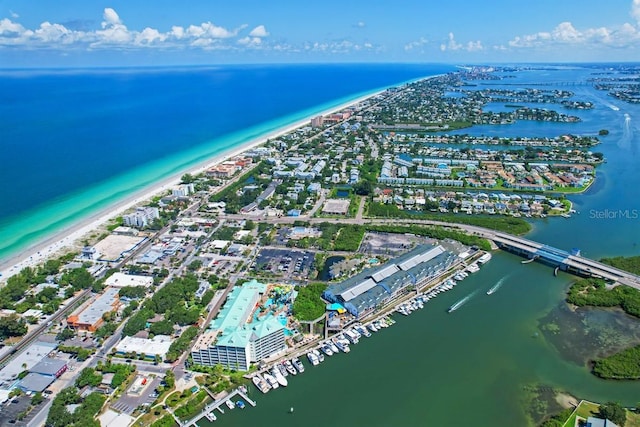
(333, 347)
(313, 358)
(273, 383)
(473, 268)
(282, 370)
(298, 364)
(326, 349)
(343, 345)
(230, 404)
(260, 383)
(318, 354)
(353, 339)
(289, 367)
(484, 258)
(372, 327)
(363, 331)
(275, 371)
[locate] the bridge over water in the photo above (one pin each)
(563, 260)
(570, 262)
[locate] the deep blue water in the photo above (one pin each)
(63, 132)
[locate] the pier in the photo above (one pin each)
(208, 411)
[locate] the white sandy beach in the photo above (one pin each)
(65, 239)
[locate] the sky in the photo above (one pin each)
(61, 33)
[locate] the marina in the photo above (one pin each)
(209, 411)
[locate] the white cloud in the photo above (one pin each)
(452, 44)
(259, 31)
(361, 24)
(635, 10)
(114, 34)
(416, 44)
(13, 14)
(250, 41)
(9, 28)
(110, 17)
(566, 34)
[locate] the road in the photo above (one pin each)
(35, 333)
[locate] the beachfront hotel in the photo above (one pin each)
(237, 337)
(365, 291)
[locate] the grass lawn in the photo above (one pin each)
(588, 409)
(633, 420)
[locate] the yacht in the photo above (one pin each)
(343, 345)
(363, 331)
(333, 347)
(260, 383)
(273, 383)
(372, 327)
(484, 258)
(275, 371)
(313, 359)
(282, 369)
(318, 354)
(289, 367)
(472, 268)
(298, 364)
(353, 339)
(230, 404)
(326, 349)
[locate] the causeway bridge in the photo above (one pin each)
(570, 262)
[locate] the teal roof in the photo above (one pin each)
(239, 304)
(233, 317)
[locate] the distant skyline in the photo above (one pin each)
(42, 33)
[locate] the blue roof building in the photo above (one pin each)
(363, 292)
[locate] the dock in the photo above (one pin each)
(208, 411)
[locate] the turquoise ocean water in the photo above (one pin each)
(77, 141)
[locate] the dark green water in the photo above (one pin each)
(472, 367)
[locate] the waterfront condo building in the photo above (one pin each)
(141, 218)
(237, 337)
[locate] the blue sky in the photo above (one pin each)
(45, 33)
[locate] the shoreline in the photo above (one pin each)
(63, 239)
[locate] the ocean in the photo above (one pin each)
(476, 366)
(77, 141)
(496, 360)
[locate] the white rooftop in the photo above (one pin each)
(118, 280)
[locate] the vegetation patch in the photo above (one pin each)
(593, 292)
(308, 305)
(630, 264)
(517, 226)
(433, 232)
(620, 366)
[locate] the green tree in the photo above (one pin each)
(88, 376)
(37, 399)
(187, 178)
(170, 379)
(12, 326)
(613, 411)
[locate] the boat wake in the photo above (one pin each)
(460, 303)
(495, 287)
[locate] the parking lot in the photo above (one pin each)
(130, 401)
(11, 410)
(290, 263)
